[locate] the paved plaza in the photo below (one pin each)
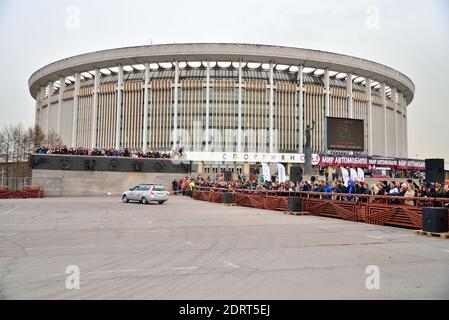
(187, 249)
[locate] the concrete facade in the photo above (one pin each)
(58, 183)
(222, 52)
(222, 103)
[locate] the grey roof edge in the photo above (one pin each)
(222, 52)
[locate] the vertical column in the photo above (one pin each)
(271, 122)
(384, 108)
(42, 97)
(369, 116)
(60, 101)
(349, 95)
(206, 147)
(93, 142)
(327, 93)
(239, 131)
(246, 168)
(145, 108)
(395, 110)
(41, 102)
(75, 108)
(118, 119)
(405, 135)
(326, 106)
(201, 167)
(300, 108)
(50, 93)
(175, 106)
(36, 114)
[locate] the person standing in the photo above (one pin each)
(330, 173)
(394, 191)
(410, 193)
(175, 186)
(191, 186)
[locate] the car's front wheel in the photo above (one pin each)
(125, 199)
(144, 200)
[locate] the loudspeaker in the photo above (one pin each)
(434, 219)
(227, 197)
(294, 204)
(435, 170)
(227, 175)
(313, 179)
(296, 174)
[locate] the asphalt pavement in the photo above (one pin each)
(188, 249)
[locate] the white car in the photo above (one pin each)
(146, 193)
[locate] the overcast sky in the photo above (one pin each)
(410, 36)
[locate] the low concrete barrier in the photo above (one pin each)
(67, 175)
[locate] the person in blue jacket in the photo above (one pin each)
(351, 188)
(328, 190)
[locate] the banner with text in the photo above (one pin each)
(369, 162)
(244, 157)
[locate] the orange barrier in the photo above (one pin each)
(249, 200)
(370, 209)
(26, 192)
(210, 196)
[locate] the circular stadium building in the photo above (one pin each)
(240, 103)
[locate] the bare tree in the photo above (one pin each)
(5, 145)
(12, 147)
(28, 144)
(19, 135)
(37, 136)
(18, 142)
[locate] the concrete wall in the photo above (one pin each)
(94, 183)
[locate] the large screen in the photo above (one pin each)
(345, 134)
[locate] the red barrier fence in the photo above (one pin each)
(210, 196)
(372, 209)
(26, 192)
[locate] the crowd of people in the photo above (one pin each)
(107, 152)
(408, 189)
(333, 173)
(333, 183)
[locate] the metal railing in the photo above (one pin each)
(359, 198)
